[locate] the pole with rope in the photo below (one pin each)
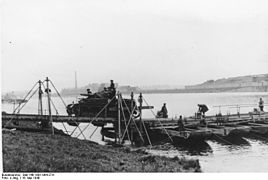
(119, 119)
(140, 108)
(132, 121)
(49, 105)
(124, 118)
(19, 108)
(131, 109)
(77, 127)
(40, 104)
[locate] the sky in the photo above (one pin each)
(133, 42)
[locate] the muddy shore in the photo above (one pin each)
(39, 152)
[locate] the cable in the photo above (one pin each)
(25, 97)
(71, 118)
(121, 105)
(158, 120)
(58, 114)
(58, 94)
(96, 116)
(133, 119)
(93, 132)
(20, 109)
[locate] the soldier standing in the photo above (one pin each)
(164, 111)
(261, 104)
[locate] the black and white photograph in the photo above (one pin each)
(133, 86)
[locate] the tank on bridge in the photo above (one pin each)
(102, 104)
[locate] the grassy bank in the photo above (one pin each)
(36, 152)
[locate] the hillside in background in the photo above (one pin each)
(251, 83)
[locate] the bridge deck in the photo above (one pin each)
(56, 119)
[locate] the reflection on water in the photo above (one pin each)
(240, 154)
(200, 149)
(218, 157)
(233, 140)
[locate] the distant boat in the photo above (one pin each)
(11, 99)
(14, 101)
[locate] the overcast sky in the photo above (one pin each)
(136, 42)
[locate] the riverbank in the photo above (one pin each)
(37, 152)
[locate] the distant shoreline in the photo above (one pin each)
(175, 91)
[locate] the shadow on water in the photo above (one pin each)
(193, 146)
(190, 147)
(263, 138)
(234, 140)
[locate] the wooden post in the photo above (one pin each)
(131, 109)
(140, 108)
(14, 104)
(49, 106)
(102, 136)
(40, 104)
(119, 119)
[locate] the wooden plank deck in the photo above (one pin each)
(56, 119)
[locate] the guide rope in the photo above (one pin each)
(121, 105)
(25, 97)
(159, 121)
(133, 120)
(20, 108)
(58, 94)
(65, 106)
(58, 114)
(93, 132)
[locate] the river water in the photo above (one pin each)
(251, 157)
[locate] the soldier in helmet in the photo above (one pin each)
(164, 111)
(112, 89)
(112, 86)
(89, 92)
(261, 104)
